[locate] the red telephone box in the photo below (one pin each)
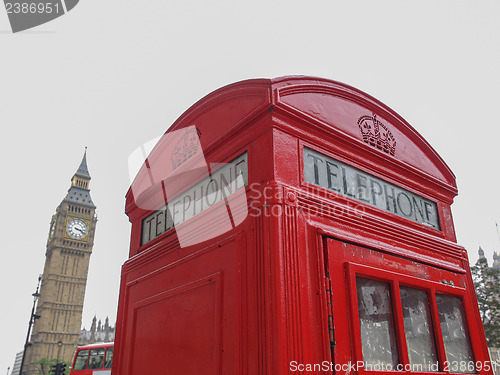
(295, 225)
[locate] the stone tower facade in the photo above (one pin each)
(69, 245)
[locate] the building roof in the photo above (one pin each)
(79, 196)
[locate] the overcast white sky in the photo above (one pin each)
(113, 74)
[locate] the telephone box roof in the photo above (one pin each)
(331, 106)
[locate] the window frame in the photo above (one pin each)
(106, 359)
(395, 280)
(78, 356)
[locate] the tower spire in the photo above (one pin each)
(83, 170)
(79, 192)
(480, 251)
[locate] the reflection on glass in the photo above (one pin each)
(378, 338)
(81, 360)
(419, 337)
(96, 359)
(454, 330)
(109, 358)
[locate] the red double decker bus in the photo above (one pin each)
(94, 359)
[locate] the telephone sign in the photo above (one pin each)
(349, 181)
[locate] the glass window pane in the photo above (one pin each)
(454, 330)
(81, 360)
(109, 358)
(378, 338)
(96, 359)
(418, 329)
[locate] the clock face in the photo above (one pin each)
(77, 228)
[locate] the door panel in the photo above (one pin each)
(395, 314)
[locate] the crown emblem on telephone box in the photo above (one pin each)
(376, 134)
(186, 147)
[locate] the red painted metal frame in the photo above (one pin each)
(262, 289)
(377, 266)
(395, 280)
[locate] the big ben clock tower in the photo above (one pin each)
(69, 245)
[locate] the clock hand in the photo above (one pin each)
(78, 229)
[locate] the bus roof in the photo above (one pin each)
(96, 345)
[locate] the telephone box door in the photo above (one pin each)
(403, 315)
